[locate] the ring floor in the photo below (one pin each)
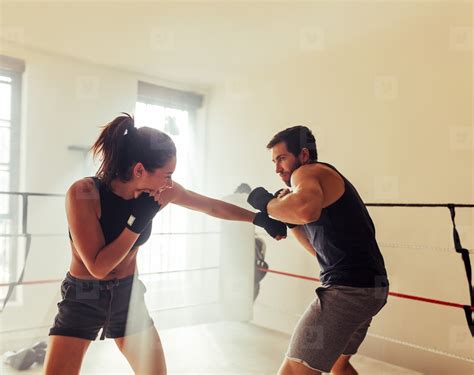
(222, 348)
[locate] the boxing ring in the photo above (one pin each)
(215, 283)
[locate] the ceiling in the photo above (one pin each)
(198, 42)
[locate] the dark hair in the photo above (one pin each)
(296, 138)
(120, 146)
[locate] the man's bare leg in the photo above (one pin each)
(343, 367)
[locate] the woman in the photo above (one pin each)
(109, 217)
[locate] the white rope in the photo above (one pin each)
(396, 245)
(435, 351)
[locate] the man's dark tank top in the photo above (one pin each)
(345, 244)
(114, 213)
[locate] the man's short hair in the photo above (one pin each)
(296, 138)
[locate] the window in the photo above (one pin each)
(10, 95)
(173, 112)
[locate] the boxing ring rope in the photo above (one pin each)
(458, 247)
(24, 234)
(393, 294)
(394, 245)
(21, 282)
(141, 275)
(468, 309)
(53, 281)
(13, 235)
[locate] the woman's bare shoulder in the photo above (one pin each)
(83, 189)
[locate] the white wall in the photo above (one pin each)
(393, 111)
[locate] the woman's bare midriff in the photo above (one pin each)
(126, 268)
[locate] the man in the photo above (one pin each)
(330, 220)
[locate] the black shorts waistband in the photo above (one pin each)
(103, 284)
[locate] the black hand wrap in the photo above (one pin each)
(144, 209)
(273, 227)
(259, 198)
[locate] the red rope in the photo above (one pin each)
(393, 294)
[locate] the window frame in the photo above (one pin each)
(190, 102)
(13, 168)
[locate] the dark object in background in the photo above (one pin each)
(23, 359)
(260, 247)
(243, 188)
(259, 263)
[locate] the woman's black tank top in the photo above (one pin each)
(115, 212)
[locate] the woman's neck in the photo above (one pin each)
(124, 190)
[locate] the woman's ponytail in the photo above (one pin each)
(111, 147)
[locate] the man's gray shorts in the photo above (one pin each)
(335, 323)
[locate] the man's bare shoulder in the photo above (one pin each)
(319, 174)
(310, 170)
